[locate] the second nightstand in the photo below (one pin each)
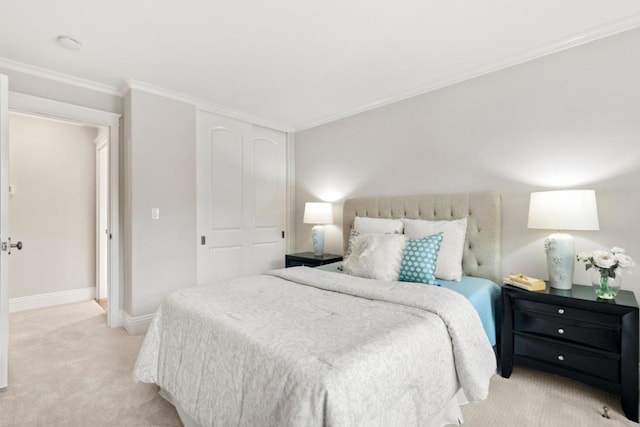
(309, 259)
(573, 334)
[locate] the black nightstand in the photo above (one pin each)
(573, 334)
(309, 259)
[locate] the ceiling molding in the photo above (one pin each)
(205, 105)
(594, 34)
(55, 76)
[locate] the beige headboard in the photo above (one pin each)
(482, 252)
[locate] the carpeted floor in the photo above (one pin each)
(537, 399)
(68, 369)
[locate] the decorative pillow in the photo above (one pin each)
(449, 263)
(376, 256)
(352, 236)
(372, 226)
(377, 225)
(419, 260)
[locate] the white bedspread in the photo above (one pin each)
(305, 347)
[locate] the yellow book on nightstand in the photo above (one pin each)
(525, 282)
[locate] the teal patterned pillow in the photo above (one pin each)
(419, 260)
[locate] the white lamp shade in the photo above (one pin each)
(318, 213)
(564, 210)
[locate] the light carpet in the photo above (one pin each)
(68, 369)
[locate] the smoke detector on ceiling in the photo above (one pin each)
(69, 43)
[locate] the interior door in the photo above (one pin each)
(102, 195)
(241, 198)
(4, 230)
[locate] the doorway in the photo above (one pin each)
(32, 105)
(54, 208)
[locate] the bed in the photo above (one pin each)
(307, 347)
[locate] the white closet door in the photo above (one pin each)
(241, 197)
(268, 199)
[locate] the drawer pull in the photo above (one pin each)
(560, 331)
(561, 310)
(560, 357)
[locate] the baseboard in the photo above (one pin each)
(137, 325)
(54, 298)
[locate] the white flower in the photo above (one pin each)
(598, 253)
(583, 256)
(624, 260)
(604, 259)
(613, 261)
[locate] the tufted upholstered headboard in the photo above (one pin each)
(482, 251)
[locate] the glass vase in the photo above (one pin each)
(604, 286)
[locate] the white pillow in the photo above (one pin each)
(449, 263)
(376, 256)
(365, 225)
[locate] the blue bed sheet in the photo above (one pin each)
(483, 294)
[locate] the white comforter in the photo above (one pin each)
(305, 347)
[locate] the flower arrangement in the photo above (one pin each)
(608, 264)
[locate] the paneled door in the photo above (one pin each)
(4, 231)
(241, 198)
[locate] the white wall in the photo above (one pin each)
(569, 120)
(159, 171)
(52, 171)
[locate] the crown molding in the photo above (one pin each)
(205, 105)
(10, 64)
(591, 35)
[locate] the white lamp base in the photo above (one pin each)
(560, 249)
(317, 236)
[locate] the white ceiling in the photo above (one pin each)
(295, 62)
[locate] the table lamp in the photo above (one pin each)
(562, 210)
(318, 213)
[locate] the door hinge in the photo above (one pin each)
(203, 240)
(283, 234)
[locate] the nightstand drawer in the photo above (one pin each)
(567, 312)
(584, 333)
(568, 357)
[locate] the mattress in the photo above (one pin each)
(483, 294)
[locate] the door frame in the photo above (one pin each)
(29, 104)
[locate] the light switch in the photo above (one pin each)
(155, 213)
